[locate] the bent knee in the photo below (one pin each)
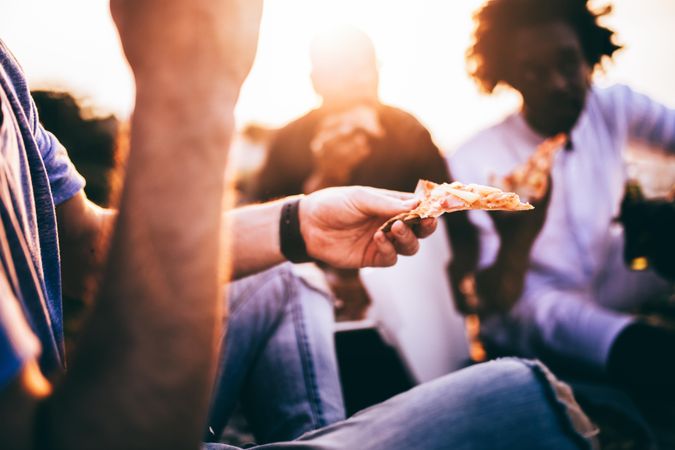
(527, 388)
(274, 283)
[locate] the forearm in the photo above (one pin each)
(500, 286)
(256, 226)
(143, 371)
(514, 256)
(256, 246)
(339, 226)
(464, 240)
(465, 246)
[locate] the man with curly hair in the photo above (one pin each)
(553, 283)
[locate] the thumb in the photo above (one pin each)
(383, 203)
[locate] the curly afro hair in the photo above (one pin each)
(496, 21)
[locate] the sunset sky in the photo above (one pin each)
(72, 44)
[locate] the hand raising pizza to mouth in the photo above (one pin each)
(530, 180)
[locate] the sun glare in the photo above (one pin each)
(72, 44)
(420, 47)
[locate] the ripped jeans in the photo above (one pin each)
(282, 363)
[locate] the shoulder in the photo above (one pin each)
(610, 98)
(612, 92)
(309, 119)
(294, 137)
(394, 115)
(621, 100)
(15, 82)
(405, 130)
(298, 128)
(624, 107)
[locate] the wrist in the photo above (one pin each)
(291, 238)
(207, 95)
(512, 263)
(515, 250)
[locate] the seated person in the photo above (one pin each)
(143, 370)
(554, 284)
(351, 139)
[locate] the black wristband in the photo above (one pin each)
(291, 242)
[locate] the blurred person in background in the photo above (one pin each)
(554, 284)
(352, 139)
(143, 371)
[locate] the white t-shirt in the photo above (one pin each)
(577, 283)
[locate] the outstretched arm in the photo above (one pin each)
(339, 226)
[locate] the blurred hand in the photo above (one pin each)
(202, 39)
(341, 143)
(521, 229)
(338, 156)
(465, 245)
(340, 226)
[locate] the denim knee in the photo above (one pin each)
(506, 404)
(274, 282)
(523, 373)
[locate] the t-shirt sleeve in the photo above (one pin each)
(18, 344)
(64, 179)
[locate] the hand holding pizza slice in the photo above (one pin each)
(436, 199)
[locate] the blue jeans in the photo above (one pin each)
(503, 404)
(278, 358)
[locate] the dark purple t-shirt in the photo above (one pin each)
(35, 175)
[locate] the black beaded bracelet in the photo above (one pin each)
(291, 242)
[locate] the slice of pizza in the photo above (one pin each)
(530, 180)
(437, 199)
